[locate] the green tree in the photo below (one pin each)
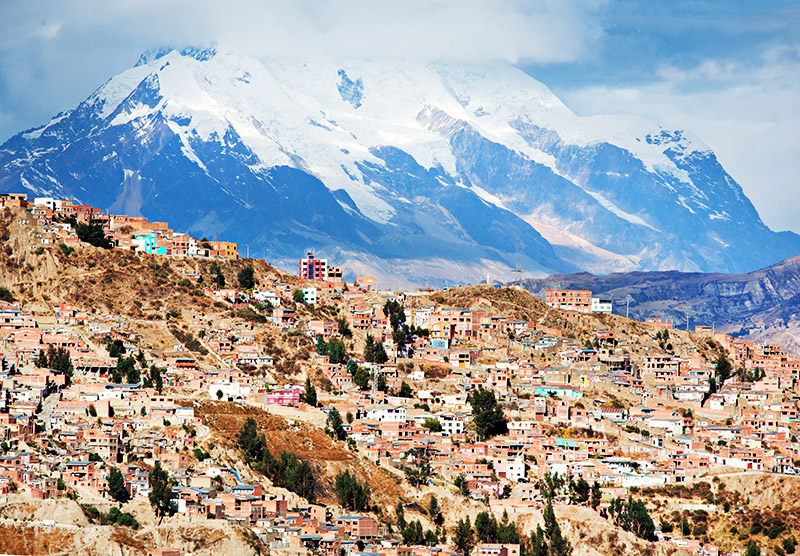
(309, 395)
(374, 352)
(116, 486)
(361, 378)
(336, 351)
(400, 516)
(290, 472)
(92, 234)
(596, 495)
(321, 346)
(412, 534)
(57, 360)
(351, 494)
(333, 425)
(247, 278)
(753, 549)
(485, 528)
(723, 368)
(487, 415)
(463, 537)
(127, 367)
(379, 356)
(418, 473)
(433, 508)
(431, 539)
(580, 491)
(217, 277)
(299, 296)
(395, 313)
(156, 378)
(432, 424)
(405, 390)
(41, 361)
(507, 532)
(557, 544)
(343, 328)
(632, 516)
(220, 393)
(460, 482)
(160, 491)
(250, 442)
(536, 545)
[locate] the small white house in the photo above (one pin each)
(600, 305)
(387, 414)
(229, 389)
(310, 295)
(268, 296)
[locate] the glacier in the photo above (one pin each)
(424, 172)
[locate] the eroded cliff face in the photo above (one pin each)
(24, 261)
(21, 532)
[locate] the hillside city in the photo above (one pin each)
(254, 411)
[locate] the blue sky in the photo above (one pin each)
(728, 71)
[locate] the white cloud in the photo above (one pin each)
(52, 55)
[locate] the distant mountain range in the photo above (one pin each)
(763, 305)
(415, 171)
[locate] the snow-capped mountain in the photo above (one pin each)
(425, 171)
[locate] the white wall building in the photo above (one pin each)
(387, 414)
(268, 296)
(229, 389)
(310, 295)
(600, 305)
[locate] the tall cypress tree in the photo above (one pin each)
(557, 544)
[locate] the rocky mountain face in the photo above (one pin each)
(763, 305)
(433, 172)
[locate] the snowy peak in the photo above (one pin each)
(441, 166)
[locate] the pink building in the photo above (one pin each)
(287, 396)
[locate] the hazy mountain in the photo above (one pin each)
(763, 305)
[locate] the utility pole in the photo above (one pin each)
(375, 372)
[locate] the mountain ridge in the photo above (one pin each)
(763, 305)
(428, 171)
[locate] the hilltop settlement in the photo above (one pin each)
(162, 395)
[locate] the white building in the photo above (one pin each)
(267, 296)
(512, 469)
(310, 295)
(451, 424)
(387, 414)
(421, 317)
(229, 389)
(672, 426)
(600, 305)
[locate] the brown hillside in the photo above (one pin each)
(327, 458)
(116, 281)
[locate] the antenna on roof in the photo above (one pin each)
(517, 275)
